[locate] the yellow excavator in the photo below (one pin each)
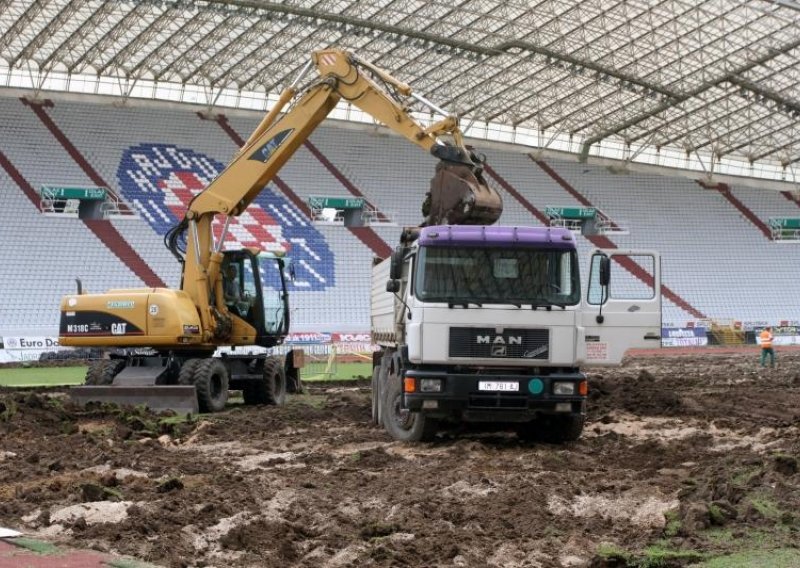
(162, 341)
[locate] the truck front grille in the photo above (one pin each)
(486, 343)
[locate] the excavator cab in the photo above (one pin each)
(254, 289)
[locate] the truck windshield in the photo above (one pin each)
(483, 275)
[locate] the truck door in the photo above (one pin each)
(624, 313)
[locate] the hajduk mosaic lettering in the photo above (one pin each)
(160, 180)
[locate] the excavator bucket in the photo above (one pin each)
(459, 195)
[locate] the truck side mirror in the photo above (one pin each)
(393, 286)
(605, 271)
(396, 264)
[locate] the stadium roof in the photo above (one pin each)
(633, 79)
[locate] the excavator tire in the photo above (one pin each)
(272, 389)
(211, 382)
(188, 370)
(102, 373)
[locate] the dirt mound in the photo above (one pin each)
(694, 456)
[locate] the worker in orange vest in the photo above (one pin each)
(766, 338)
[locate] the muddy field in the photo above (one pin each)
(684, 458)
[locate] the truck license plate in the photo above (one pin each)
(498, 386)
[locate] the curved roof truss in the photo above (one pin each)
(713, 79)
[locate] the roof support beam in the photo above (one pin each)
(90, 55)
(24, 21)
(76, 37)
(791, 144)
(144, 35)
(66, 12)
(770, 54)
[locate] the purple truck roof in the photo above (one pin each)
(489, 236)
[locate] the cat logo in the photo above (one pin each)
(118, 328)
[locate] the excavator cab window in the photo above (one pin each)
(244, 277)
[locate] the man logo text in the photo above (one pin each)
(500, 340)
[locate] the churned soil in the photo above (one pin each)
(694, 453)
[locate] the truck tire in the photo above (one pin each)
(271, 389)
(566, 428)
(402, 424)
(376, 397)
(211, 382)
(188, 371)
(553, 429)
(102, 372)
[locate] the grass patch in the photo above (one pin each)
(744, 476)
(748, 541)
(719, 536)
(673, 526)
(37, 546)
(71, 376)
(42, 376)
(651, 557)
(312, 400)
(613, 552)
(765, 506)
(344, 372)
(657, 556)
(779, 558)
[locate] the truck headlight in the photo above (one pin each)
(563, 388)
(430, 385)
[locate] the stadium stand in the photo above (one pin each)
(715, 257)
(154, 155)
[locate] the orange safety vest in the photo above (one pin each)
(766, 339)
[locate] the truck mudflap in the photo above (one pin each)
(178, 398)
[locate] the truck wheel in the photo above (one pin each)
(102, 373)
(553, 429)
(567, 428)
(376, 397)
(188, 370)
(211, 382)
(271, 389)
(400, 423)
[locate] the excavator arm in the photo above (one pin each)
(342, 76)
(458, 194)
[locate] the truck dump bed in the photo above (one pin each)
(382, 306)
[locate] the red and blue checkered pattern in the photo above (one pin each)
(160, 180)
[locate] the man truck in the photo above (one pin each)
(492, 324)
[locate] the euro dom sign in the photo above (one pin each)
(160, 180)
